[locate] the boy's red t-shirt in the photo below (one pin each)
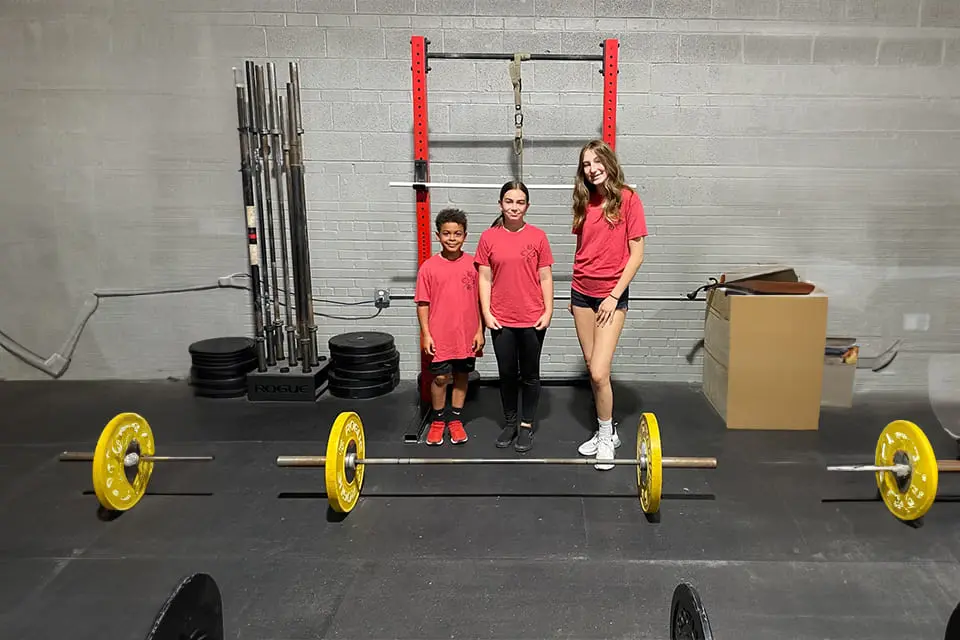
(603, 249)
(450, 288)
(515, 259)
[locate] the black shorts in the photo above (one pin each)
(466, 365)
(580, 300)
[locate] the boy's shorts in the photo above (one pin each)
(466, 365)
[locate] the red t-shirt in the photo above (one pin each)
(450, 287)
(515, 258)
(602, 248)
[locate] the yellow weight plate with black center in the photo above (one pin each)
(649, 480)
(110, 483)
(901, 442)
(344, 485)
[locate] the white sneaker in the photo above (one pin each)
(605, 451)
(589, 448)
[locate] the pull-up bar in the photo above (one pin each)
(481, 185)
(473, 185)
(567, 57)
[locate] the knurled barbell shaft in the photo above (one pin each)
(670, 463)
(80, 456)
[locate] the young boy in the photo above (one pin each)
(448, 308)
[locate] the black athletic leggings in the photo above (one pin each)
(518, 362)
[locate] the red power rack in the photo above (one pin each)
(419, 57)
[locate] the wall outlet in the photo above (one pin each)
(382, 299)
(916, 322)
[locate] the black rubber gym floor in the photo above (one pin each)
(777, 547)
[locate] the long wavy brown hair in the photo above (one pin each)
(611, 189)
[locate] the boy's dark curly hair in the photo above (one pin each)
(451, 215)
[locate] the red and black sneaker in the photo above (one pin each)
(458, 435)
(435, 433)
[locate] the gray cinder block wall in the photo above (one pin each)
(822, 134)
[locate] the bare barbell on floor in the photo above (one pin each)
(352, 461)
(346, 453)
(906, 468)
(126, 442)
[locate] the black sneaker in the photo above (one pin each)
(524, 440)
(506, 436)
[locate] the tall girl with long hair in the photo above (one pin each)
(514, 261)
(610, 226)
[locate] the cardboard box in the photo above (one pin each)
(764, 361)
(839, 372)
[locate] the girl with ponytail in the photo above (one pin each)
(515, 262)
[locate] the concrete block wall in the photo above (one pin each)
(822, 134)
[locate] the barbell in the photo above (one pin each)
(346, 453)
(125, 444)
(906, 468)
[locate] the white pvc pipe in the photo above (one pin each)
(473, 185)
(476, 185)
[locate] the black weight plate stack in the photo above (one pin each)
(220, 366)
(363, 364)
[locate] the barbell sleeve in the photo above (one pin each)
(76, 456)
(687, 462)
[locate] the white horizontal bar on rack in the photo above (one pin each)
(474, 185)
(480, 185)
